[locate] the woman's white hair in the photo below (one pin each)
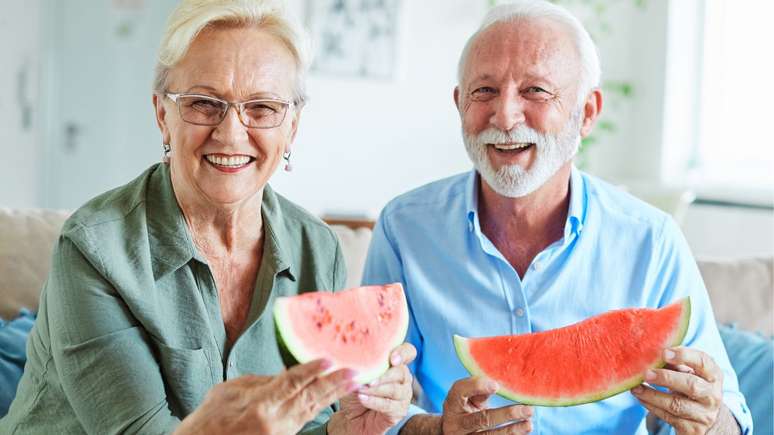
(541, 9)
(193, 16)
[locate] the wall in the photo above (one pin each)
(19, 145)
(721, 232)
(362, 142)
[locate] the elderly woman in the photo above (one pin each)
(156, 316)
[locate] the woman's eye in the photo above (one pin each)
(262, 108)
(203, 104)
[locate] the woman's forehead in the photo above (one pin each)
(236, 61)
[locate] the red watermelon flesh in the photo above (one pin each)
(355, 328)
(580, 363)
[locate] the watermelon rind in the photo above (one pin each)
(463, 353)
(296, 348)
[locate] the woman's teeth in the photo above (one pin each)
(512, 146)
(228, 161)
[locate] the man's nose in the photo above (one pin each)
(508, 111)
(230, 130)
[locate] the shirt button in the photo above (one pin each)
(231, 364)
(519, 312)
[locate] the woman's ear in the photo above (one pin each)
(161, 113)
(294, 122)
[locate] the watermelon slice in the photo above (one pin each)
(581, 363)
(355, 328)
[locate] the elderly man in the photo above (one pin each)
(526, 243)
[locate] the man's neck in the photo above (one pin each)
(522, 227)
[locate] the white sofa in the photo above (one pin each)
(740, 289)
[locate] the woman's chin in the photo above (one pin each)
(224, 197)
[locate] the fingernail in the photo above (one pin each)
(528, 412)
(362, 397)
(669, 355)
(349, 374)
(326, 364)
(353, 386)
(395, 360)
(650, 375)
(492, 385)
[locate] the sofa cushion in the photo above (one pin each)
(354, 244)
(741, 291)
(26, 240)
(752, 357)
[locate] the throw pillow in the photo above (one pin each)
(13, 340)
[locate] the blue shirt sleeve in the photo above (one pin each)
(677, 275)
(383, 266)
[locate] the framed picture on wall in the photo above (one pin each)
(354, 38)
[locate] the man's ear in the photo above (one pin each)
(161, 113)
(591, 109)
(457, 98)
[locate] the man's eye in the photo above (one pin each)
(536, 93)
(484, 90)
(536, 90)
(484, 93)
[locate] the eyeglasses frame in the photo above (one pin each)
(237, 105)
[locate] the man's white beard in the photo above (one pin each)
(513, 181)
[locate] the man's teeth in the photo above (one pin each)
(512, 146)
(227, 161)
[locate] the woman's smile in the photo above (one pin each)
(229, 163)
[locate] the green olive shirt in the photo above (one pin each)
(129, 336)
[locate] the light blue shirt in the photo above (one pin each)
(616, 252)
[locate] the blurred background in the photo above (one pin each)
(686, 121)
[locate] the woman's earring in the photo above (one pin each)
(288, 166)
(167, 153)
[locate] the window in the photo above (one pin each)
(719, 125)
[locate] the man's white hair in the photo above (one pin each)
(541, 9)
(193, 16)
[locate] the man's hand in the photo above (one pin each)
(380, 405)
(695, 398)
(464, 411)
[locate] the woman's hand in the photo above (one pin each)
(271, 405)
(381, 404)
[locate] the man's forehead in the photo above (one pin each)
(540, 48)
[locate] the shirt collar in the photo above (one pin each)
(170, 244)
(471, 200)
(170, 241)
(576, 213)
(276, 234)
